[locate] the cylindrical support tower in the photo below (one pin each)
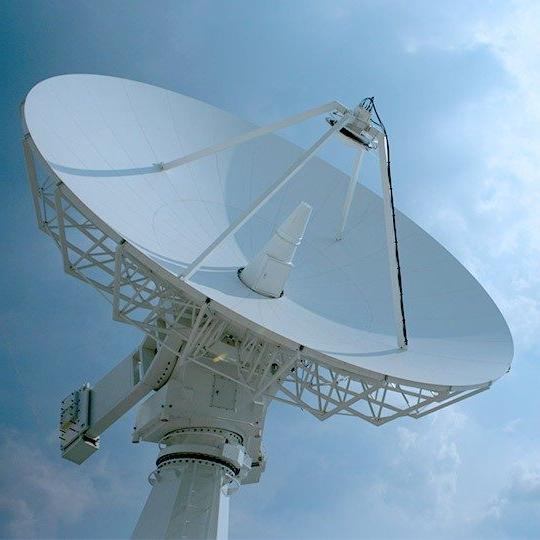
(188, 500)
(209, 431)
(195, 473)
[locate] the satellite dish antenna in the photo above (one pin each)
(256, 271)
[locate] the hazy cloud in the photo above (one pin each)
(499, 209)
(42, 495)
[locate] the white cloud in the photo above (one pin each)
(510, 198)
(437, 451)
(466, 481)
(515, 509)
(494, 225)
(43, 495)
(416, 480)
(39, 493)
(406, 438)
(22, 522)
(512, 426)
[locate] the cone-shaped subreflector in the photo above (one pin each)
(267, 273)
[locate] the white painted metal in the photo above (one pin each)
(147, 369)
(187, 501)
(350, 193)
(392, 246)
(31, 169)
(205, 412)
(259, 132)
(265, 197)
(267, 273)
(216, 352)
(134, 282)
(338, 289)
(210, 432)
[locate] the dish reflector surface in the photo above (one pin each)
(102, 136)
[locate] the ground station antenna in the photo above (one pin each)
(242, 299)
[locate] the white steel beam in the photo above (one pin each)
(350, 193)
(268, 194)
(461, 395)
(32, 175)
(287, 366)
(128, 382)
(259, 132)
(392, 244)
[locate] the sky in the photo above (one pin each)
(457, 84)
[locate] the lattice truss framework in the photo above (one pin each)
(145, 295)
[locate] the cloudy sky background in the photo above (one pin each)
(458, 86)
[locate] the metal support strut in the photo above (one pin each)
(268, 194)
(350, 192)
(392, 244)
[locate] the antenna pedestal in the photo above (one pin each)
(190, 491)
(209, 431)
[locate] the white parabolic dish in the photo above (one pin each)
(102, 136)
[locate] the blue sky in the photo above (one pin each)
(457, 84)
